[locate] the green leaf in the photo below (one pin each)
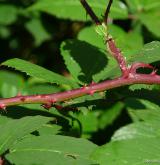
(61, 150)
(4, 119)
(89, 35)
(87, 122)
(38, 71)
(151, 21)
(72, 9)
(147, 11)
(42, 89)
(140, 109)
(8, 14)
(129, 152)
(148, 54)
(10, 83)
(110, 114)
(15, 130)
(141, 86)
(74, 53)
(49, 129)
(87, 98)
(140, 5)
(130, 143)
(144, 115)
(138, 130)
(37, 29)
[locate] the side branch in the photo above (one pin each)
(107, 11)
(50, 99)
(116, 53)
(90, 12)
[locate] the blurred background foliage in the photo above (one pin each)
(50, 33)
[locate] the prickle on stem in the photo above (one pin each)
(22, 99)
(47, 105)
(91, 92)
(19, 94)
(84, 87)
(92, 83)
(135, 66)
(3, 106)
(154, 72)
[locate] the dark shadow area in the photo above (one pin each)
(148, 36)
(150, 95)
(23, 3)
(95, 60)
(90, 102)
(125, 24)
(72, 132)
(103, 136)
(134, 103)
(123, 93)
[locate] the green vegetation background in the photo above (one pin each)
(59, 36)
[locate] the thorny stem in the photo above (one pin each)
(129, 76)
(48, 99)
(116, 53)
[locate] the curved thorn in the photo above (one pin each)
(91, 92)
(154, 72)
(137, 65)
(47, 105)
(92, 83)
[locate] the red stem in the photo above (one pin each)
(129, 76)
(116, 53)
(90, 89)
